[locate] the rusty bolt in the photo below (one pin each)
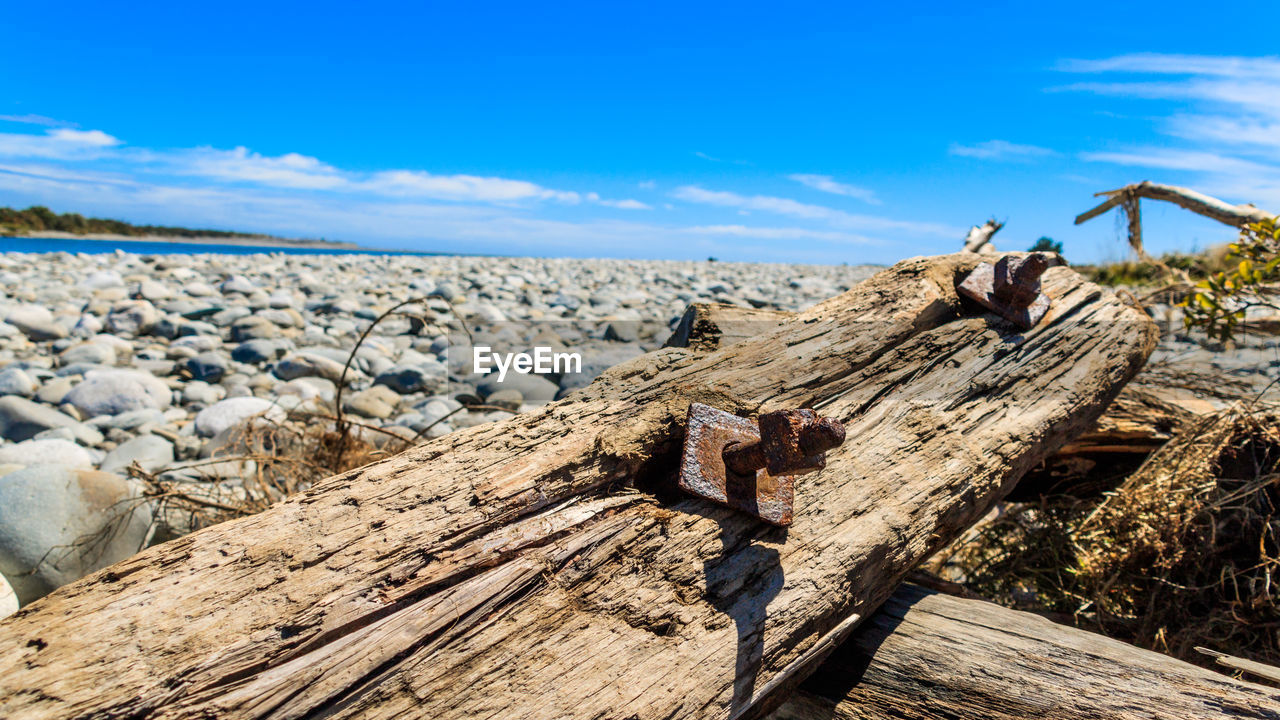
(792, 442)
(1017, 280)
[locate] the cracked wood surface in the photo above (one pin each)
(541, 567)
(928, 656)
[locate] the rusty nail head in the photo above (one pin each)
(1010, 288)
(750, 466)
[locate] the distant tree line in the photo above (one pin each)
(37, 218)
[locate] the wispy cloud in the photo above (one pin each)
(240, 165)
(786, 233)
(56, 143)
(628, 204)
(827, 184)
(793, 208)
(1224, 130)
(30, 119)
(999, 150)
(417, 183)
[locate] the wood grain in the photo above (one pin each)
(928, 656)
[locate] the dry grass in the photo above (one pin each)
(1184, 553)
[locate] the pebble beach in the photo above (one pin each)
(116, 361)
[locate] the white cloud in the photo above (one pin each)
(95, 138)
(827, 184)
(1172, 64)
(1225, 129)
(31, 119)
(1168, 159)
(999, 150)
(785, 233)
(793, 208)
(241, 165)
(417, 183)
(628, 204)
(57, 143)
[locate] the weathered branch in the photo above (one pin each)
(1199, 203)
(979, 238)
(1128, 196)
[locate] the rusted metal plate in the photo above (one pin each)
(981, 286)
(703, 472)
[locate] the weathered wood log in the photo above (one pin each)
(1199, 203)
(524, 569)
(1128, 197)
(929, 656)
(978, 240)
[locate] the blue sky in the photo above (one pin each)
(746, 131)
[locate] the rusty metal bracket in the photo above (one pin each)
(1010, 288)
(751, 466)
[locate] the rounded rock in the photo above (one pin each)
(111, 394)
(15, 381)
(50, 451)
(58, 524)
(233, 411)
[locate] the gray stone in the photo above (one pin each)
(309, 363)
(198, 343)
(233, 411)
(95, 353)
(224, 318)
(86, 326)
(102, 279)
(253, 327)
(206, 367)
(131, 420)
(58, 524)
(202, 393)
(48, 451)
(151, 452)
(82, 433)
(237, 284)
(111, 394)
(286, 318)
(15, 381)
(309, 388)
(257, 352)
(534, 388)
(408, 379)
(53, 391)
(134, 317)
(510, 399)
(36, 323)
(152, 290)
(8, 598)
(21, 419)
(378, 402)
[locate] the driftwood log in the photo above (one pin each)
(978, 240)
(541, 568)
(930, 656)
(1127, 198)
